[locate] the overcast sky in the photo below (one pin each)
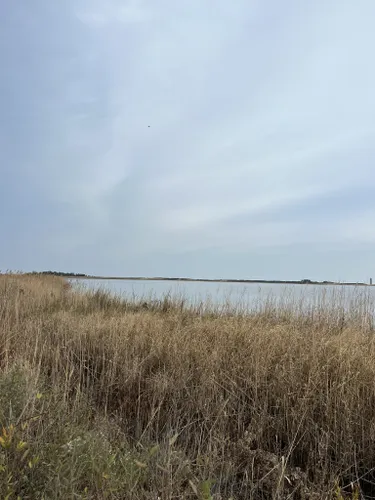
(202, 138)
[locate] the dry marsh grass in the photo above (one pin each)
(102, 397)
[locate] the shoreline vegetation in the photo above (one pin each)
(104, 398)
(203, 280)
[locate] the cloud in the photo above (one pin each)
(143, 129)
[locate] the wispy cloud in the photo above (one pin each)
(145, 130)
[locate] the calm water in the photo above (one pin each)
(241, 295)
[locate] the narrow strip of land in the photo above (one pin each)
(83, 276)
(207, 280)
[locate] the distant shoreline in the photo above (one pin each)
(204, 280)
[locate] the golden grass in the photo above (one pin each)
(101, 397)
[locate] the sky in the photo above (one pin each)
(200, 138)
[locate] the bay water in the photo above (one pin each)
(240, 296)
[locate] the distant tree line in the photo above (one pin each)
(59, 273)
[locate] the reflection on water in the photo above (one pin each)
(242, 296)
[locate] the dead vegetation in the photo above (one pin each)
(102, 397)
